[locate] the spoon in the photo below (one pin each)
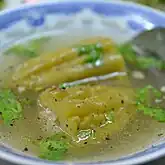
(151, 43)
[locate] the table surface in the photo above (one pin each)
(14, 3)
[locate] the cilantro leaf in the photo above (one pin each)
(21, 51)
(127, 52)
(10, 108)
(149, 62)
(31, 49)
(93, 57)
(64, 86)
(144, 93)
(54, 147)
(156, 113)
(84, 134)
(86, 49)
(110, 116)
(93, 53)
(2, 3)
(140, 62)
(144, 104)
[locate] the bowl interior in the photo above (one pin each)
(68, 22)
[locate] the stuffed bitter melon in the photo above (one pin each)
(94, 57)
(100, 110)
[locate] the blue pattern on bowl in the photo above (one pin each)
(36, 16)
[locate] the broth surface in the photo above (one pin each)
(138, 135)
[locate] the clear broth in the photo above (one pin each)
(139, 134)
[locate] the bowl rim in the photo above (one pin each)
(29, 160)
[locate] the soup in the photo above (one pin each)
(85, 101)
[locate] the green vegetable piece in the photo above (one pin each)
(86, 49)
(140, 62)
(152, 3)
(144, 93)
(127, 52)
(85, 134)
(149, 62)
(21, 51)
(67, 85)
(93, 57)
(156, 113)
(10, 108)
(64, 86)
(144, 106)
(110, 116)
(93, 53)
(54, 148)
(30, 49)
(2, 4)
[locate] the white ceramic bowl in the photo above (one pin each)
(114, 18)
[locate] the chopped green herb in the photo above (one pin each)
(28, 50)
(127, 52)
(10, 108)
(54, 148)
(156, 113)
(144, 93)
(140, 62)
(21, 51)
(67, 85)
(144, 105)
(152, 3)
(85, 134)
(93, 57)
(110, 116)
(2, 3)
(149, 62)
(64, 86)
(93, 53)
(86, 49)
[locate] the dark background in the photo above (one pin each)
(157, 162)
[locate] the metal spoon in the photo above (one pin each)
(151, 43)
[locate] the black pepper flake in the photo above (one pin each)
(25, 149)
(66, 125)
(11, 125)
(64, 137)
(40, 138)
(38, 118)
(0, 113)
(11, 67)
(78, 106)
(110, 98)
(111, 147)
(122, 101)
(107, 138)
(85, 142)
(160, 134)
(55, 99)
